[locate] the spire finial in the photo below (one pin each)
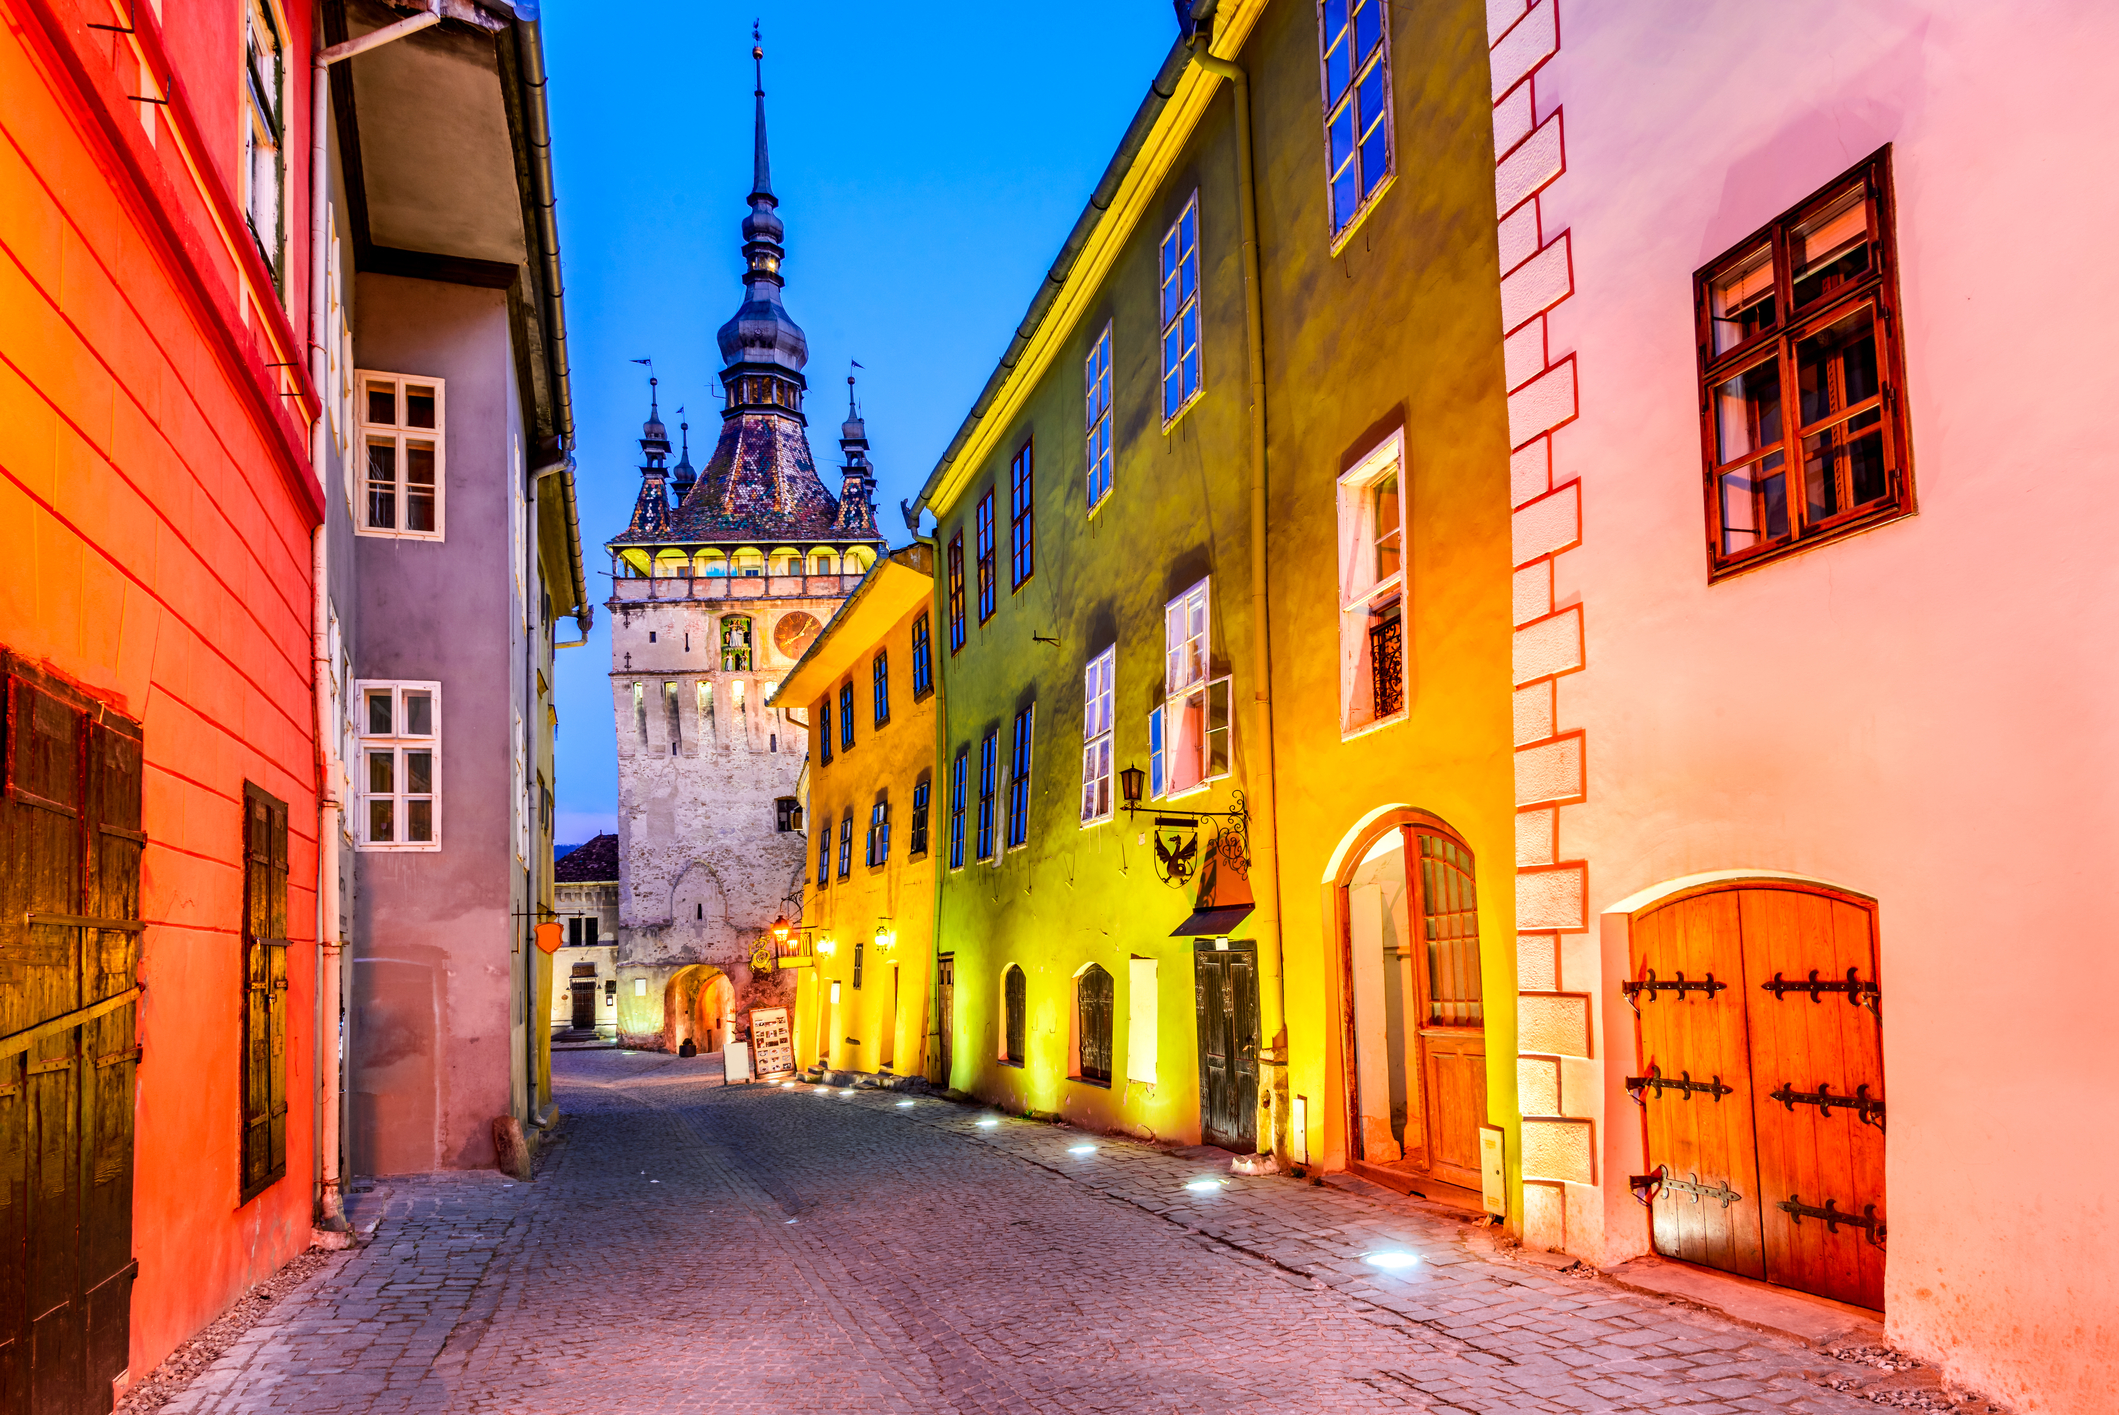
(761, 168)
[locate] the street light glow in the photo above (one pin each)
(904, 1105)
(1081, 1149)
(1390, 1260)
(1204, 1186)
(988, 1123)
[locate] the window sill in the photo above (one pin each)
(1361, 214)
(1090, 1081)
(421, 848)
(1884, 516)
(1104, 819)
(436, 536)
(1185, 407)
(1348, 734)
(1004, 1061)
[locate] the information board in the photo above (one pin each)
(772, 1047)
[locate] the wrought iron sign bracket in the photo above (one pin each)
(1177, 861)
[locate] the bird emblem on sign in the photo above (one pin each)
(1176, 853)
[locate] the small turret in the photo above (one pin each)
(857, 509)
(651, 509)
(683, 475)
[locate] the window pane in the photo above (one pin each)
(1844, 466)
(1835, 368)
(1346, 195)
(379, 713)
(1368, 26)
(1754, 504)
(1375, 159)
(419, 406)
(419, 714)
(419, 820)
(382, 771)
(1740, 302)
(1747, 411)
(419, 773)
(382, 485)
(381, 820)
(382, 404)
(1831, 248)
(1385, 510)
(419, 486)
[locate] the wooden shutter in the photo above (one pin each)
(265, 991)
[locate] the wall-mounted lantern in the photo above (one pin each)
(884, 937)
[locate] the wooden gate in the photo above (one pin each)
(70, 844)
(1761, 1084)
(944, 1016)
(1225, 982)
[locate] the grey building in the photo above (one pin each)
(454, 553)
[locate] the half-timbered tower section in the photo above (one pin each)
(723, 577)
(1814, 747)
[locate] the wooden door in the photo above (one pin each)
(944, 1015)
(1453, 1009)
(1814, 1000)
(1225, 983)
(584, 990)
(1761, 1083)
(70, 844)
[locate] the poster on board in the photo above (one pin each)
(772, 1046)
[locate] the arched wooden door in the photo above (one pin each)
(1760, 1079)
(1415, 1016)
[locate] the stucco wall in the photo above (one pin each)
(440, 973)
(1919, 713)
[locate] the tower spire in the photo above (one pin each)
(762, 349)
(761, 182)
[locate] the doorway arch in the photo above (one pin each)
(1404, 909)
(698, 1005)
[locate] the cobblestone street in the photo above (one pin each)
(687, 1246)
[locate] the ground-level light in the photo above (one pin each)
(1390, 1260)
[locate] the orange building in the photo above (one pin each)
(157, 886)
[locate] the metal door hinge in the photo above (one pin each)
(1680, 985)
(1859, 993)
(1834, 1216)
(1869, 1111)
(1656, 1081)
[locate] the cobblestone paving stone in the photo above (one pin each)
(693, 1247)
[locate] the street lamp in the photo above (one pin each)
(1130, 782)
(884, 937)
(781, 929)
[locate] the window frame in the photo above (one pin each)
(824, 855)
(397, 742)
(917, 844)
(879, 676)
(877, 851)
(1171, 268)
(846, 843)
(1778, 343)
(1197, 683)
(824, 731)
(1099, 736)
(922, 657)
(400, 436)
(1365, 594)
(1342, 228)
(744, 651)
(1022, 517)
(982, 518)
(1015, 1009)
(957, 789)
(1020, 742)
(1088, 1039)
(1096, 401)
(989, 772)
(956, 592)
(267, 111)
(846, 737)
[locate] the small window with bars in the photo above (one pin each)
(401, 431)
(400, 766)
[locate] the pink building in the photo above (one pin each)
(1813, 712)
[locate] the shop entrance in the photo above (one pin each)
(1760, 1081)
(1225, 979)
(1415, 1020)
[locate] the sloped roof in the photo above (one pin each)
(593, 863)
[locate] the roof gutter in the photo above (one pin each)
(544, 222)
(1144, 119)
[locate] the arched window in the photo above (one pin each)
(671, 564)
(1014, 990)
(858, 560)
(785, 560)
(1092, 1007)
(823, 562)
(710, 562)
(1449, 909)
(748, 561)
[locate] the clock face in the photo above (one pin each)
(795, 632)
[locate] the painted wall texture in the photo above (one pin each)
(1915, 713)
(864, 999)
(156, 508)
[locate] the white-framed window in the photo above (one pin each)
(399, 775)
(1180, 312)
(1353, 45)
(1097, 697)
(264, 173)
(401, 426)
(1372, 589)
(1096, 387)
(1188, 736)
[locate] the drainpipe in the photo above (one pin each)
(330, 1206)
(1265, 877)
(582, 612)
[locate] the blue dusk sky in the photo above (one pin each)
(929, 160)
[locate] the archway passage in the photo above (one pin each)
(698, 1005)
(1760, 1079)
(1416, 1036)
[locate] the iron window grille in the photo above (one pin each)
(1022, 520)
(1809, 304)
(1096, 384)
(985, 548)
(1353, 40)
(1180, 312)
(1019, 779)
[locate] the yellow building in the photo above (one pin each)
(865, 964)
(1233, 513)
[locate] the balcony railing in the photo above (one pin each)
(712, 587)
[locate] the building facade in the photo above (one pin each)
(867, 689)
(1780, 703)
(585, 970)
(721, 580)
